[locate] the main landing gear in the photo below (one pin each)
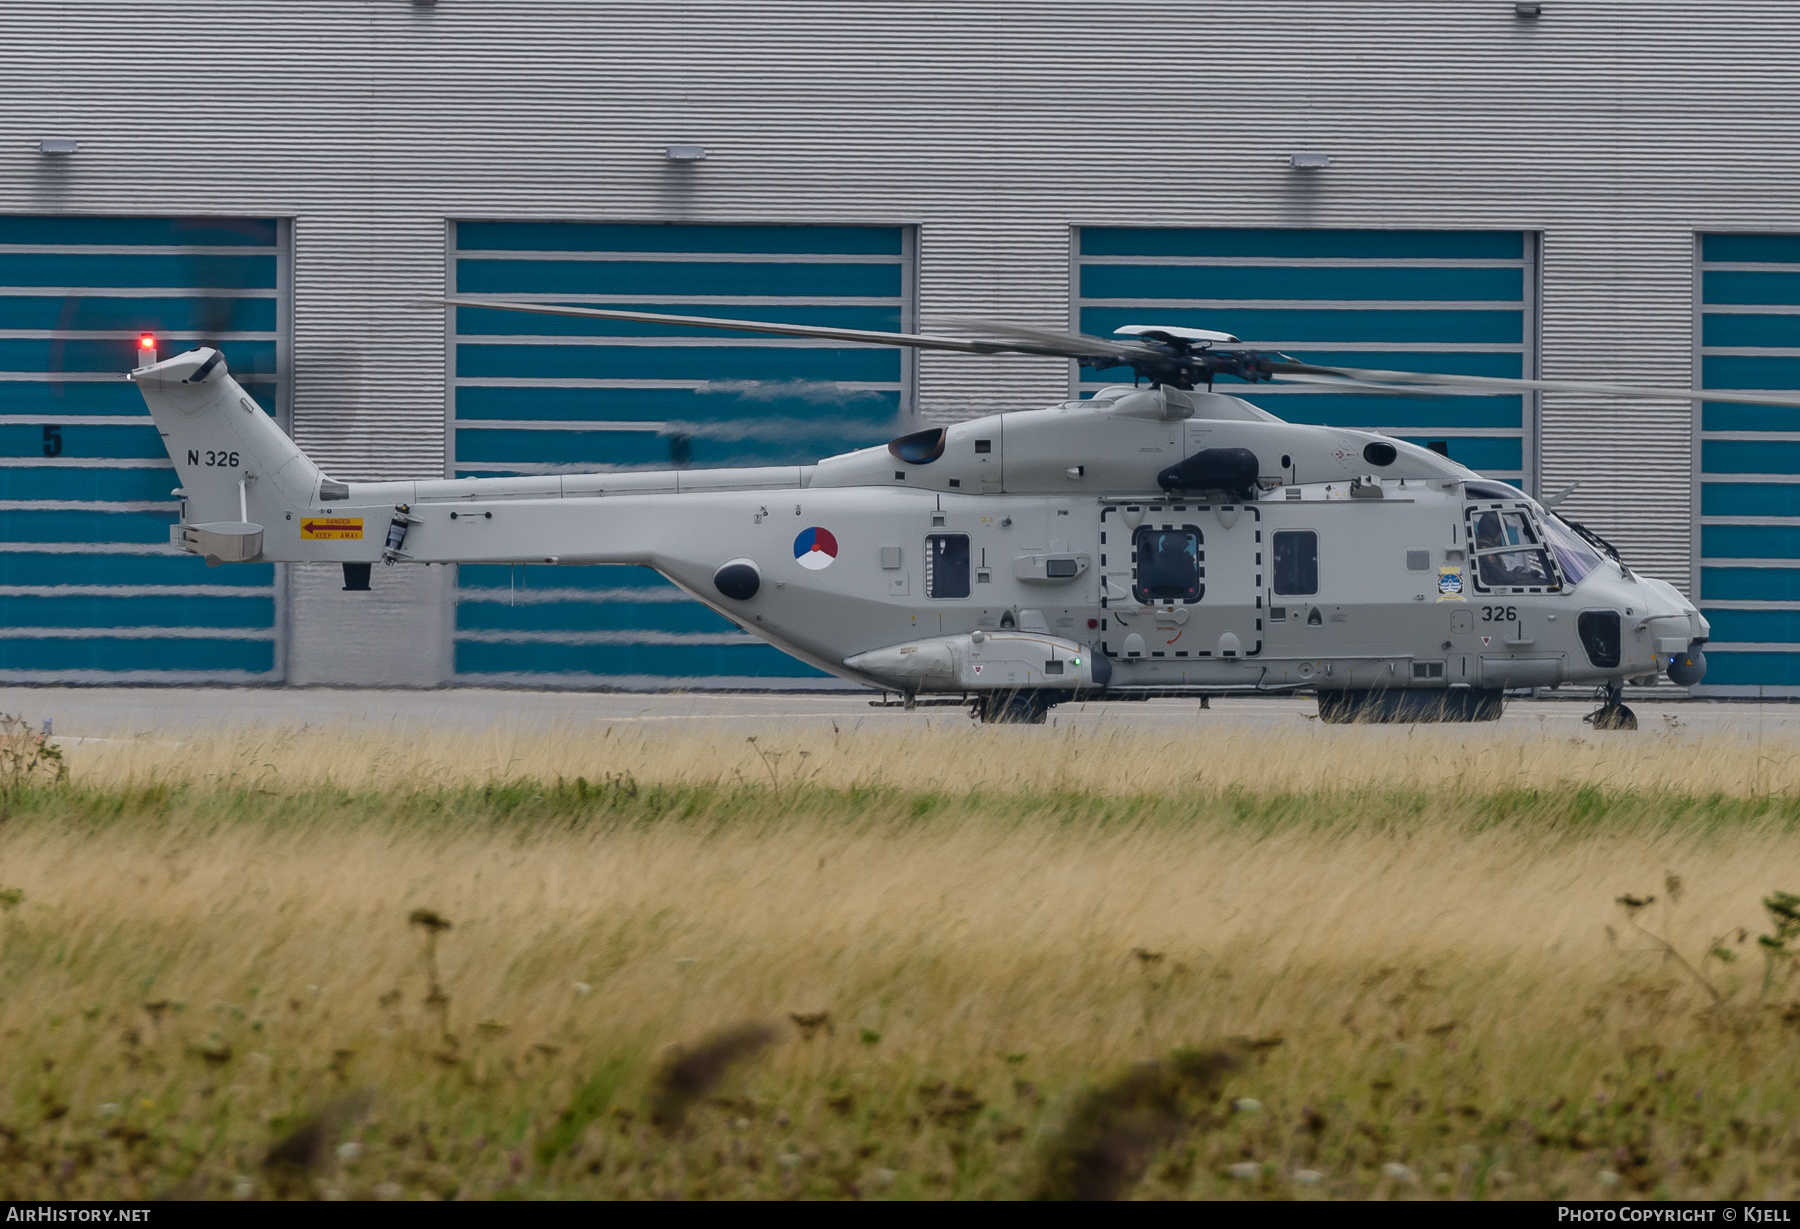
(1612, 713)
(1011, 708)
(1380, 707)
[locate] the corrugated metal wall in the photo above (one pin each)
(1616, 128)
(1748, 313)
(90, 589)
(535, 394)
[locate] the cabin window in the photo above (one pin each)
(1296, 561)
(947, 565)
(1169, 565)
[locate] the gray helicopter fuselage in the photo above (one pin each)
(1033, 550)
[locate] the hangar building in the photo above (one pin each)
(1599, 189)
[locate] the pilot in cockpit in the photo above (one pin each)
(1510, 568)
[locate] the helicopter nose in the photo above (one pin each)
(1687, 669)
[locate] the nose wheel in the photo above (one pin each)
(1613, 714)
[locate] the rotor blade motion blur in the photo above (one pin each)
(1182, 358)
(1050, 341)
(1502, 385)
(1365, 389)
(867, 337)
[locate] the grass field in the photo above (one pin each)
(1333, 962)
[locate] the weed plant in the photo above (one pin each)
(1310, 963)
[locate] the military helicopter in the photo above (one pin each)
(1159, 539)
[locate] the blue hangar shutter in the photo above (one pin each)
(1749, 459)
(547, 395)
(90, 589)
(1459, 302)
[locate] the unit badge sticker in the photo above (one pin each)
(815, 548)
(1450, 585)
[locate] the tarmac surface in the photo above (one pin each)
(106, 712)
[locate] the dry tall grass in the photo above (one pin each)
(1304, 759)
(214, 937)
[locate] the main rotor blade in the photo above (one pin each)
(1500, 384)
(1367, 389)
(1051, 341)
(864, 337)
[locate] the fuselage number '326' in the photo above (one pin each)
(228, 459)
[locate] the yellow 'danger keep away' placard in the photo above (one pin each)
(328, 528)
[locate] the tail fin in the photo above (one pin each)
(232, 458)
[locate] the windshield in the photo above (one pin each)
(1575, 556)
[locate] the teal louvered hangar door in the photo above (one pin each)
(1749, 463)
(1458, 302)
(90, 589)
(540, 394)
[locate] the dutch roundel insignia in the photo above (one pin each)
(815, 548)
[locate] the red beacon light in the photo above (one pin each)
(146, 350)
(147, 341)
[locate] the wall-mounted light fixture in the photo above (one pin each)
(1309, 162)
(58, 145)
(1528, 10)
(687, 153)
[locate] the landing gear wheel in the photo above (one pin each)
(1612, 713)
(1018, 708)
(1612, 717)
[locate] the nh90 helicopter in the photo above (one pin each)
(1159, 539)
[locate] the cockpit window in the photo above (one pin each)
(1497, 536)
(1514, 569)
(1494, 530)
